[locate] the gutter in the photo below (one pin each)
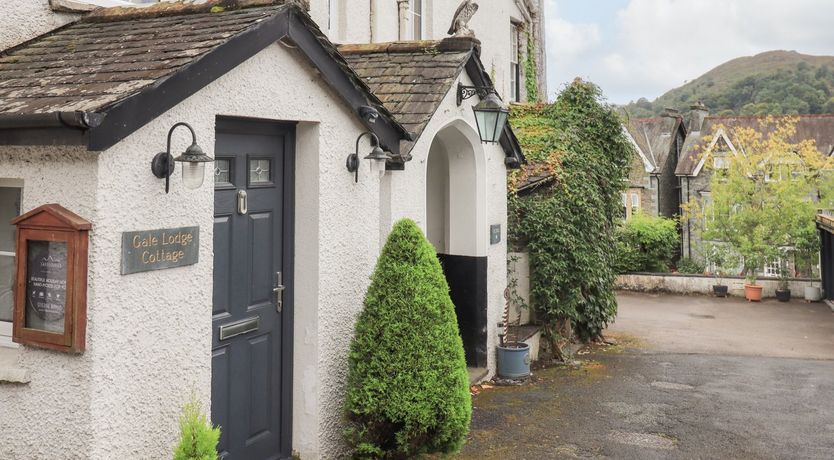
(69, 120)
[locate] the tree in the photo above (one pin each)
(408, 387)
(765, 201)
(198, 439)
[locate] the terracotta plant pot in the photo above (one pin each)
(753, 292)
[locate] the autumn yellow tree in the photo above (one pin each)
(765, 196)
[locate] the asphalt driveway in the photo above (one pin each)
(691, 377)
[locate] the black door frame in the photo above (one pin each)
(260, 126)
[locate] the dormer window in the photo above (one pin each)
(720, 161)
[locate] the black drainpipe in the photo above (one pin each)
(688, 225)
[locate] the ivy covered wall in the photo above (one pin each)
(568, 223)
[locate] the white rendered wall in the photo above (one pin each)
(149, 338)
(408, 189)
(23, 20)
(492, 26)
(51, 416)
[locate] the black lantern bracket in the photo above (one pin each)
(162, 165)
(467, 92)
(377, 154)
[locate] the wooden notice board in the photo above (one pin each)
(51, 282)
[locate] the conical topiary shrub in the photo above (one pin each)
(408, 387)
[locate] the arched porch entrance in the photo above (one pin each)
(456, 226)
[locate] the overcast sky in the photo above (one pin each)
(643, 48)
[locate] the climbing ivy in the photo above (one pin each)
(569, 226)
(531, 83)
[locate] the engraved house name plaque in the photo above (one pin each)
(160, 249)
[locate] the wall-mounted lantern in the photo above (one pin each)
(377, 155)
(490, 114)
(193, 162)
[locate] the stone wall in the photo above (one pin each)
(698, 284)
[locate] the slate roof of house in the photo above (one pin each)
(655, 137)
(105, 59)
(101, 60)
(411, 78)
(820, 128)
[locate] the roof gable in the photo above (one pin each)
(95, 81)
(412, 79)
(819, 128)
(655, 138)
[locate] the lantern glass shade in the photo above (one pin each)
(193, 175)
(193, 166)
(490, 116)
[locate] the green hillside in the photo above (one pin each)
(776, 82)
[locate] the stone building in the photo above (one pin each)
(710, 140)
(244, 289)
(653, 186)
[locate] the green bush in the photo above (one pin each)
(647, 244)
(690, 266)
(198, 439)
(408, 387)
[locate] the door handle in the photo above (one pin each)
(242, 202)
(278, 291)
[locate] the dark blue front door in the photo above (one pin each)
(252, 322)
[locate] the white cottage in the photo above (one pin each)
(242, 288)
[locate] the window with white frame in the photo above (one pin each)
(415, 14)
(10, 193)
(515, 68)
(631, 204)
(773, 268)
(720, 161)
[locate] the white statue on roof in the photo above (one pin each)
(460, 23)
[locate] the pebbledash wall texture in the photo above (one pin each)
(149, 341)
(148, 337)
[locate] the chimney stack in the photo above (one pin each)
(697, 112)
(671, 112)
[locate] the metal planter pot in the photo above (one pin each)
(514, 360)
(813, 294)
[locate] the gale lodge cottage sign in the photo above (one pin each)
(160, 249)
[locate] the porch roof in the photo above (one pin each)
(411, 78)
(97, 80)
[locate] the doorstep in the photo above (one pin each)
(830, 304)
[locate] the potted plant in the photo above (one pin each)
(513, 356)
(752, 291)
(813, 293)
(719, 256)
(783, 293)
(719, 289)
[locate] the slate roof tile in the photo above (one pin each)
(819, 128)
(410, 78)
(89, 65)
